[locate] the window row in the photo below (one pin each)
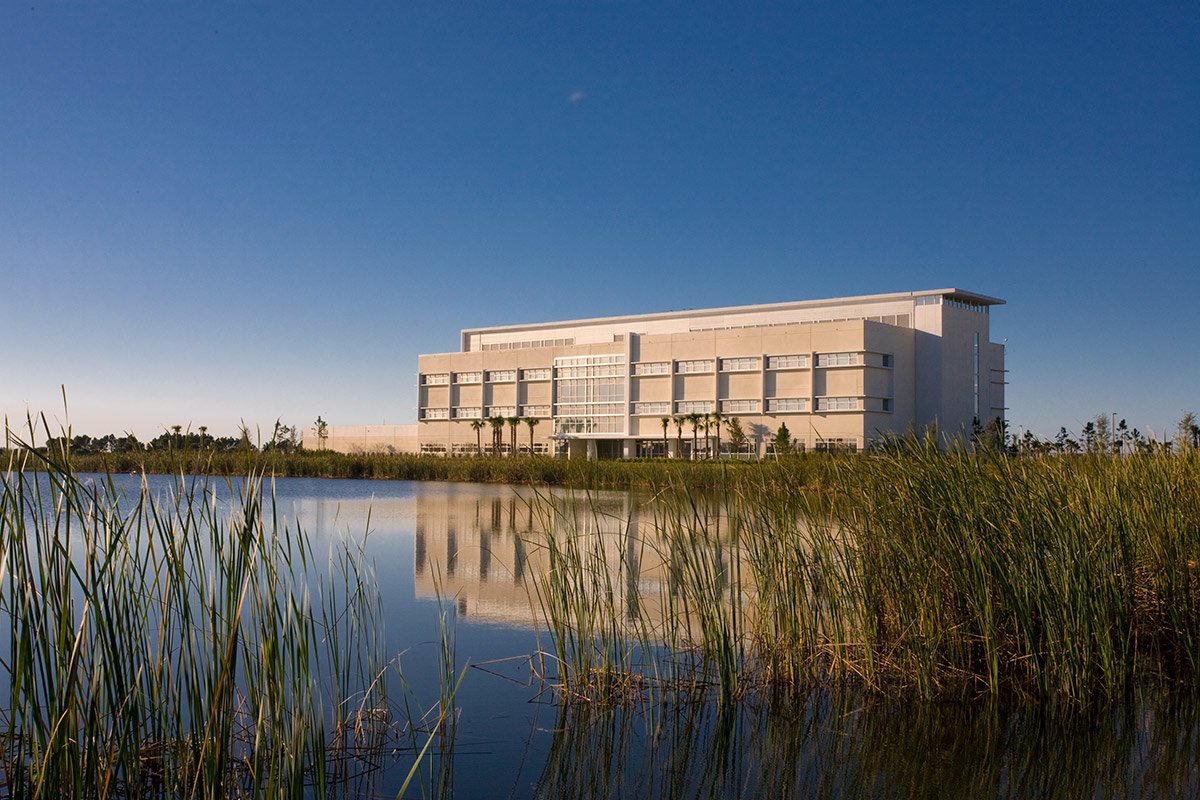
(739, 364)
(837, 404)
(779, 404)
(787, 362)
(739, 406)
(693, 407)
(695, 365)
(642, 409)
(531, 343)
(837, 359)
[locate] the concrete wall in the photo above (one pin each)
(364, 439)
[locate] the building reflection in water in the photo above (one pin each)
(483, 545)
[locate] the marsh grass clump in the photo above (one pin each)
(186, 645)
(944, 574)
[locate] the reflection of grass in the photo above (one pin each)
(842, 743)
(163, 647)
(948, 574)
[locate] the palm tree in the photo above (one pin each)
(678, 436)
(497, 424)
(477, 426)
(666, 422)
(513, 424)
(696, 421)
(717, 419)
(532, 422)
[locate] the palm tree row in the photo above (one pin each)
(711, 425)
(497, 425)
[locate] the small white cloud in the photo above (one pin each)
(575, 97)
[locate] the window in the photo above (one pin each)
(699, 365)
(435, 413)
(837, 404)
(467, 377)
(887, 359)
(502, 411)
(693, 407)
(436, 379)
(591, 394)
(887, 404)
(739, 406)
(739, 364)
(837, 359)
(466, 412)
(501, 375)
(787, 404)
(433, 449)
(787, 362)
(528, 344)
(535, 411)
(643, 409)
(837, 444)
(652, 368)
(538, 374)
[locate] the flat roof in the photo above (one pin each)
(956, 294)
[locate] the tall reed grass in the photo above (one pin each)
(945, 574)
(187, 645)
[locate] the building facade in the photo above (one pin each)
(838, 373)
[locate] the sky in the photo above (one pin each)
(217, 213)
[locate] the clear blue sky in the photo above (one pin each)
(215, 212)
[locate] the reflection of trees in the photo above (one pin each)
(842, 744)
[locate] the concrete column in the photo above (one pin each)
(591, 449)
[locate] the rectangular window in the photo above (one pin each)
(887, 359)
(501, 375)
(643, 409)
(739, 364)
(538, 374)
(436, 379)
(433, 449)
(739, 406)
(837, 404)
(837, 359)
(837, 444)
(787, 404)
(468, 377)
(652, 368)
(435, 413)
(787, 362)
(693, 407)
(887, 404)
(502, 411)
(535, 411)
(466, 412)
(698, 365)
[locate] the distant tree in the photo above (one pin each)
(477, 426)
(513, 424)
(1187, 433)
(322, 431)
(1104, 434)
(531, 423)
(717, 419)
(695, 420)
(1088, 434)
(497, 424)
(666, 423)
(783, 441)
(737, 436)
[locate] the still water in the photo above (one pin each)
(462, 558)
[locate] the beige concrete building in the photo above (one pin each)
(838, 373)
(363, 439)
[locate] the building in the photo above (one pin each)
(839, 373)
(362, 439)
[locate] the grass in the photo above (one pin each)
(182, 646)
(944, 575)
(522, 470)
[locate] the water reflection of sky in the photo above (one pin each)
(475, 546)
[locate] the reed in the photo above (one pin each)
(944, 574)
(171, 646)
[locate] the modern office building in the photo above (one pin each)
(839, 373)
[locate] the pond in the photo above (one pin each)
(462, 561)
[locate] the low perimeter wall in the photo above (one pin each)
(364, 439)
